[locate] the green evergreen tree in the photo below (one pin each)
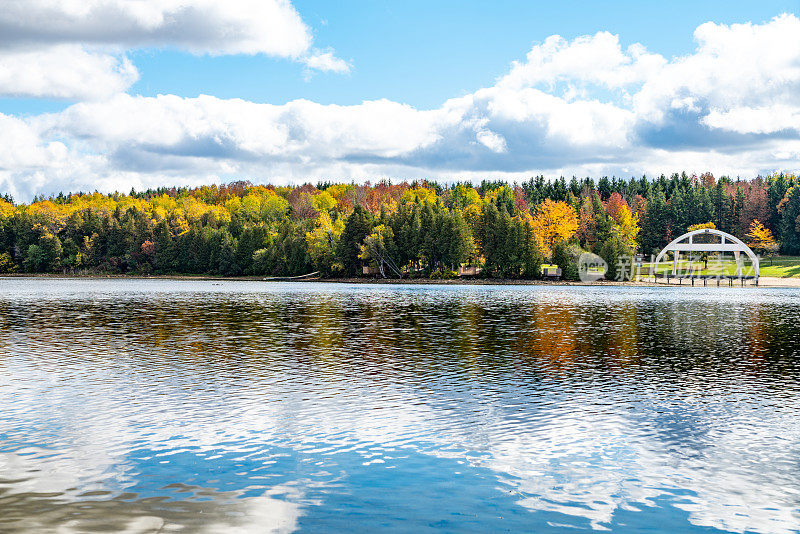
(776, 191)
(616, 255)
(566, 255)
(790, 222)
(356, 228)
(656, 222)
(166, 253)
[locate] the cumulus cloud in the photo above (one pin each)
(736, 67)
(22, 148)
(74, 49)
(64, 71)
(597, 59)
(213, 128)
(588, 106)
(761, 120)
(326, 62)
(270, 27)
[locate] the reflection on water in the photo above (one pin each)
(147, 406)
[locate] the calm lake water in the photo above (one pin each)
(160, 406)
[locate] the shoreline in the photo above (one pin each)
(361, 280)
(764, 281)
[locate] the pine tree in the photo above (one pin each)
(657, 221)
(776, 191)
(356, 228)
(790, 221)
(721, 207)
(738, 212)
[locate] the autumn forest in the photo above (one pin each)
(419, 229)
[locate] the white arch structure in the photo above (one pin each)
(728, 243)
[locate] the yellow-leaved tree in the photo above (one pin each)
(7, 265)
(553, 222)
(626, 226)
(421, 194)
(463, 196)
(702, 226)
(760, 239)
(6, 208)
(322, 242)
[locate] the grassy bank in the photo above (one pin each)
(778, 267)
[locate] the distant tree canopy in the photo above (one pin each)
(408, 229)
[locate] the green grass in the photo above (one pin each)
(779, 267)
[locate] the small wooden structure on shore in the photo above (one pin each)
(551, 272)
(469, 270)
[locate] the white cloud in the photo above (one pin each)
(270, 27)
(214, 128)
(72, 49)
(761, 120)
(749, 65)
(597, 59)
(586, 107)
(21, 147)
(492, 140)
(326, 62)
(64, 71)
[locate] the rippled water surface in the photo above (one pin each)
(161, 406)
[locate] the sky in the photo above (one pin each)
(117, 94)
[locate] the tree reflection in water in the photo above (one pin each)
(159, 404)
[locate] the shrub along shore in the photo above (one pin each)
(419, 230)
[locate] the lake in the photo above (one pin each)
(163, 405)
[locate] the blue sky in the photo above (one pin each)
(413, 57)
(421, 52)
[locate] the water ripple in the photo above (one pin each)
(146, 406)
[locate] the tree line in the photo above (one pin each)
(413, 229)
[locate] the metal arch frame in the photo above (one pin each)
(735, 245)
